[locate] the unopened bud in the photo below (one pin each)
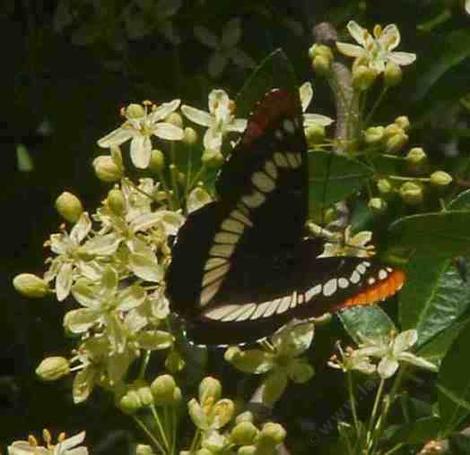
(374, 134)
(416, 155)
(145, 395)
(392, 130)
(363, 77)
(247, 450)
(440, 178)
(321, 65)
(384, 186)
(392, 74)
(163, 389)
(209, 388)
(403, 122)
(246, 416)
(106, 169)
(130, 402)
(205, 451)
(52, 368)
(315, 134)
(320, 49)
(243, 433)
(396, 142)
(273, 432)
(189, 136)
(377, 205)
(69, 206)
(116, 201)
(135, 111)
(175, 119)
(143, 449)
(411, 193)
(30, 285)
(157, 161)
(212, 158)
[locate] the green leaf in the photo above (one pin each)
(23, 158)
(369, 321)
(414, 432)
(454, 383)
(454, 49)
(443, 234)
(461, 202)
(275, 71)
(334, 177)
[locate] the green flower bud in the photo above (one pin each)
(411, 193)
(69, 206)
(177, 396)
(175, 119)
(106, 169)
(142, 449)
(30, 285)
(135, 111)
(157, 161)
(204, 451)
(209, 388)
(190, 136)
(320, 49)
(416, 156)
(52, 368)
(174, 362)
(374, 134)
(212, 158)
(403, 122)
(247, 450)
(214, 442)
(272, 432)
(130, 402)
(392, 74)
(384, 186)
(246, 416)
(440, 178)
(243, 433)
(377, 204)
(163, 389)
(363, 77)
(392, 130)
(145, 395)
(315, 134)
(396, 142)
(222, 412)
(321, 65)
(116, 201)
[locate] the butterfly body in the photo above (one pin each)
(241, 267)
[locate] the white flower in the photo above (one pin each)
(392, 351)
(377, 50)
(219, 120)
(306, 95)
(140, 126)
(225, 48)
(352, 360)
(348, 245)
(63, 447)
(467, 6)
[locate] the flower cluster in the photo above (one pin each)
(64, 445)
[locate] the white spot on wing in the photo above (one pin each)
(249, 308)
(279, 135)
(214, 262)
(253, 200)
(220, 312)
(343, 283)
(260, 309)
(382, 274)
(226, 237)
(371, 280)
(272, 308)
(288, 126)
(355, 277)
(280, 159)
(292, 159)
(209, 291)
(284, 305)
(224, 251)
(232, 226)
(214, 274)
(270, 169)
(263, 182)
(238, 215)
(330, 287)
(312, 292)
(361, 268)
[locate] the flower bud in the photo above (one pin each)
(204, 451)
(247, 450)
(142, 449)
(416, 156)
(174, 362)
(440, 178)
(209, 388)
(157, 161)
(411, 193)
(145, 395)
(392, 130)
(69, 206)
(212, 158)
(116, 201)
(243, 433)
(374, 134)
(315, 134)
(377, 205)
(321, 65)
(392, 74)
(363, 77)
(320, 49)
(246, 416)
(175, 119)
(106, 169)
(130, 402)
(52, 368)
(163, 389)
(190, 136)
(135, 111)
(384, 186)
(396, 142)
(403, 122)
(30, 285)
(273, 432)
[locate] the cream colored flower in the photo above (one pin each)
(350, 245)
(140, 126)
(306, 95)
(376, 50)
(467, 6)
(63, 447)
(219, 120)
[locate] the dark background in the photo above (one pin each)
(63, 79)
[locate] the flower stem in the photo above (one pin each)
(377, 103)
(160, 426)
(378, 397)
(143, 365)
(150, 435)
(352, 401)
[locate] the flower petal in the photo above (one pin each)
(81, 320)
(306, 95)
(71, 442)
(212, 139)
(404, 341)
(387, 367)
(402, 58)
(357, 32)
(81, 229)
(232, 33)
(206, 37)
(254, 361)
(164, 110)
(197, 199)
(168, 131)
(85, 295)
(140, 151)
(102, 245)
(417, 361)
(145, 266)
(116, 137)
(63, 281)
(196, 115)
(154, 340)
(293, 340)
(317, 119)
(238, 125)
(130, 298)
(218, 99)
(390, 37)
(350, 50)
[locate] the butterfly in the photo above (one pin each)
(241, 266)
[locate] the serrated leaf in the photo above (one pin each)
(334, 177)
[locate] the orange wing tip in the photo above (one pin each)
(380, 291)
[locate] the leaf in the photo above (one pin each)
(442, 234)
(461, 202)
(414, 432)
(275, 71)
(23, 158)
(454, 383)
(334, 177)
(369, 321)
(454, 49)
